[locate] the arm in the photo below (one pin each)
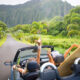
(39, 51)
(67, 52)
(38, 56)
(23, 71)
(50, 57)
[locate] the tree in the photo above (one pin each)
(72, 21)
(19, 34)
(0, 33)
(67, 19)
(73, 27)
(76, 10)
(44, 31)
(75, 20)
(34, 31)
(36, 25)
(26, 28)
(73, 33)
(3, 26)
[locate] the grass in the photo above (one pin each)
(2, 41)
(60, 43)
(23, 40)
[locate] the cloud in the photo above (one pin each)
(13, 2)
(73, 2)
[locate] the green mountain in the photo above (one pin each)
(34, 10)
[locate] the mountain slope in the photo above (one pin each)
(34, 10)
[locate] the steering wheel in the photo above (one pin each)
(23, 63)
(46, 65)
(77, 61)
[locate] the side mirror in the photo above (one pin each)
(7, 63)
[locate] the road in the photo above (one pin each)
(7, 53)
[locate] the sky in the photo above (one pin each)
(14, 2)
(73, 2)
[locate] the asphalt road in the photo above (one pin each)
(7, 53)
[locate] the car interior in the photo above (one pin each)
(22, 57)
(47, 71)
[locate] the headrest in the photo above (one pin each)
(48, 75)
(31, 76)
(76, 68)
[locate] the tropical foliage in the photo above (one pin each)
(34, 10)
(59, 31)
(3, 27)
(68, 26)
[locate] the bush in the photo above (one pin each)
(44, 31)
(73, 33)
(32, 38)
(64, 33)
(2, 33)
(19, 34)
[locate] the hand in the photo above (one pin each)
(49, 51)
(14, 67)
(18, 66)
(31, 59)
(38, 41)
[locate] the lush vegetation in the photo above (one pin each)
(61, 32)
(2, 41)
(34, 10)
(60, 43)
(3, 28)
(68, 26)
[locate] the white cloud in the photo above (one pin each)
(73, 2)
(13, 2)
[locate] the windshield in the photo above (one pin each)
(29, 53)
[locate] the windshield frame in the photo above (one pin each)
(28, 48)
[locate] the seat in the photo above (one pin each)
(49, 74)
(76, 68)
(76, 73)
(30, 76)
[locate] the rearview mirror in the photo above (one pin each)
(7, 63)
